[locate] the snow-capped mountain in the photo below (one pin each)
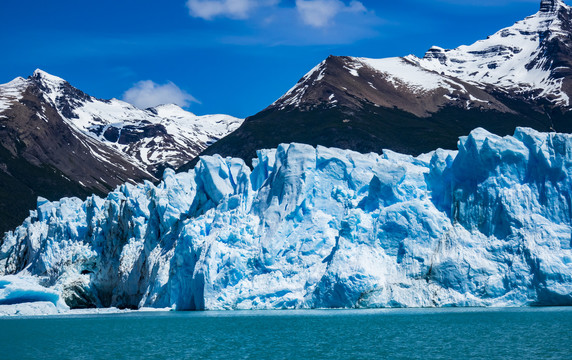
(58, 141)
(487, 225)
(152, 138)
(519, 76)
(529, 60)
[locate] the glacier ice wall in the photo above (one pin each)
(489, 225)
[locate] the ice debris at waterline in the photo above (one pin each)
(22, 295)
(489, 225)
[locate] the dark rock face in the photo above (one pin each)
(372, 129)
(559, 49)
(130, 134)
(549, 5)
(78, 296)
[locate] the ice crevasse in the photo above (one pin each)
(487, 225)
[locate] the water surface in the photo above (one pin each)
(527, 333)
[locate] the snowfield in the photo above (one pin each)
(487, 225)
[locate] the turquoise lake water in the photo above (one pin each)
(528, 333)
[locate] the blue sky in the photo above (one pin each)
(226, 56)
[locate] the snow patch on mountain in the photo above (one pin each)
(11, 92)
(402, 73)
(206, 128)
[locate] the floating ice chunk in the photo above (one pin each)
(23, 295)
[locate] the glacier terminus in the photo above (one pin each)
(313, 227)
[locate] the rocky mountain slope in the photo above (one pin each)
(57, 141)
(309, 227)
(519, 76)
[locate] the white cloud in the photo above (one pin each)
(320, 13)
(147, 93)
(234, 9)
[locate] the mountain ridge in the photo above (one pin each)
(519, 76)
(125, 127)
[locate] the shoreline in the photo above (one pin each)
(27, 311)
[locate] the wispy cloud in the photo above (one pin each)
(234, 9)
(314, 13)
(320, 13)
(147, 93)
(293, 22)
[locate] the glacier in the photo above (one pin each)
(487, 225)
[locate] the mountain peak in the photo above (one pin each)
(549, 6)
(45, 78)
(170, 110)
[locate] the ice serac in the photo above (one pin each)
(307, 227)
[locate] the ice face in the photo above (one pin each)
(307, 227)
(23, 295)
